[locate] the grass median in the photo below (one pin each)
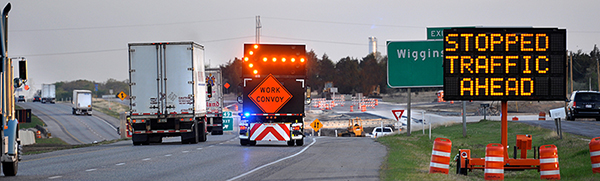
(409, 156)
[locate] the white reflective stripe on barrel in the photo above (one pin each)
(494, 159)
(596, 153)
(491, 170)
(437, 165)
(549, 160)
(440, 153)
(551, 172)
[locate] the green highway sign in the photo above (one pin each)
(227, 121)
(437, 33)
(227, 124)
(415, 63)
(227, 114)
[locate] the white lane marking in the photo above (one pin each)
(220, 143)
(89, 170)
(198, 148)
(146, 159)
(54, 177)
(211, 146)
(185, 151)
(106, 122)
(119, 164)
(276, 161)
(168, 155)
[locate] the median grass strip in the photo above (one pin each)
(409, 156)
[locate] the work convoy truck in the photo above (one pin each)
(48, 93)
(273, 78)
(82, 102)
(10, 149)
(214, 101)
(167, 92)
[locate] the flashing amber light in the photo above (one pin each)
(246, 59)
(274, 59)
(255, 71)
(255, 46)
(264, 59)
(282, 59)
(301, 59)
(293, 59)
(251, 65)
(251, 53)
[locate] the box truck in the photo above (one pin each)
(82, 102)
(167, 92)
(214, 101)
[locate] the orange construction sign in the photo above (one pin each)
(270, 95)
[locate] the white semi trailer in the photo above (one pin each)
(167, 92)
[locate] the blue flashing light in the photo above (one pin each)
(246, 114)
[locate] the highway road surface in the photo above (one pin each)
(74, 129)
(220, 158)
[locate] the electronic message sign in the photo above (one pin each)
(505, 64)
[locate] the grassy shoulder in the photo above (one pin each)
(44, 145)
(409, 156)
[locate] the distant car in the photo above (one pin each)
(21, 99)
(584, 104)
(37, 99)
(377, 132)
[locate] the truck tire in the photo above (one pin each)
(252, 143)
(300, 142)
(10, 168)
(243, 142)
(202, 132)
(290, 143)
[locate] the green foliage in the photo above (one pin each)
(64, 90)
(232, 73)
(585, 69)
(409, 156)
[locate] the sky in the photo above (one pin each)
(66, 40)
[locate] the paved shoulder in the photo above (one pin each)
(331, 158)
(579, 127)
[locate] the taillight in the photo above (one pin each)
(242, 127)
(573, 103)
(296, 128)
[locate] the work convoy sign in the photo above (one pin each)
(270, 95)
(504, 64)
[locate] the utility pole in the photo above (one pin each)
(598, 72)
(258, 26)
(571, 70)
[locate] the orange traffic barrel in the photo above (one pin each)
(38, 134)
(440, 156)
(595, 154)
(351, 108)
(549, 162)
(542, 116)
(494, 162)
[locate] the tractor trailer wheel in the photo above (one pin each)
(10, 168)
(300, 142)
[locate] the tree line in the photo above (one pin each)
(350, 75)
